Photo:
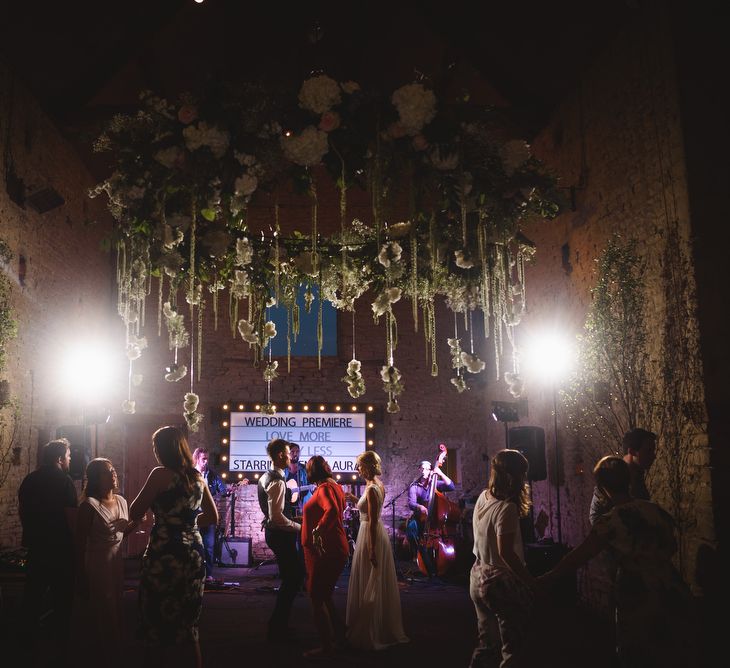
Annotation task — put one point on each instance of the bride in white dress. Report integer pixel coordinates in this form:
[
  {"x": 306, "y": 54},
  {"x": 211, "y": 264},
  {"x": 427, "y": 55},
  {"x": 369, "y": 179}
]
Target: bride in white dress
[{"x": 373, "y": 601}]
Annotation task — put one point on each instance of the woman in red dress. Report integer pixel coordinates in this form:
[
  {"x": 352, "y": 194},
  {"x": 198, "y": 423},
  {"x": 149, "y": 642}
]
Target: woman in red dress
[{"x": 325, "y": 552}]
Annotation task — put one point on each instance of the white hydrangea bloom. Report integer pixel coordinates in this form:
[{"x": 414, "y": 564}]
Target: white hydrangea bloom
[
  {"x": 202, "y": 134},
  {"x": 319, "y": 94},
  {"x": 416, "y": 107},
  {"x": 306, "y": 149}
]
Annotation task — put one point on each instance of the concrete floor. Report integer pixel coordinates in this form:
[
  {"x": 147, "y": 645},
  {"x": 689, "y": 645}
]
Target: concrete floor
[{"x": 438, "y": 618}]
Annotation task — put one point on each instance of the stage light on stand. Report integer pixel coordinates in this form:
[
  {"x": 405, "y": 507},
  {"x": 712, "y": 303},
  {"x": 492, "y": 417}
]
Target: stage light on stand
[{"x": 549, "y": 357}]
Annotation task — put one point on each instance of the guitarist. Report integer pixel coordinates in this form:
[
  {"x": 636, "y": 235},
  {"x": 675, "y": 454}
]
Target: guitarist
[
  {"x": 298, "y": 472},
  {"x": 282, "y": 535},
  {"x": 418, "y": 502}
]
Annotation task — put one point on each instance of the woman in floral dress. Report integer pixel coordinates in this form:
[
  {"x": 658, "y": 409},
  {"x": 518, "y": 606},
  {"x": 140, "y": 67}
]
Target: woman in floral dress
[
  {"x": 173, "y": 565},
  {"x": 655, "y": 624}
]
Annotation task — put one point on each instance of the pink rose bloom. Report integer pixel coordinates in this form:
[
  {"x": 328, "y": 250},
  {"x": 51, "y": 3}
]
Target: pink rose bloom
[
  {"x": 396, "y": 131},
  {"x": 420, "y": 143},
  {"x": 187, "y": 114},
  {"x": 329, "y": 121}
]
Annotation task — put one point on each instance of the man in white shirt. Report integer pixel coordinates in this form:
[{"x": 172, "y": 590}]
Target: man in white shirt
[{"x": 281, "y": 536}]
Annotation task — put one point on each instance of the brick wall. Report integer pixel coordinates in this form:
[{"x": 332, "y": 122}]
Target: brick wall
[
  {"x": 618, "y": 137},
  {"x": 64, "y": 295}
]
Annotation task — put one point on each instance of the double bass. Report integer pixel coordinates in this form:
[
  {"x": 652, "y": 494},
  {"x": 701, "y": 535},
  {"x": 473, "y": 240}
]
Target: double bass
[{"x": 440, "y": 527}]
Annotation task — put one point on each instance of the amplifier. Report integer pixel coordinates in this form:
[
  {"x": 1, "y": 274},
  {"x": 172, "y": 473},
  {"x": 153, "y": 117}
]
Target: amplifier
[{"x": 235, "y": 551}]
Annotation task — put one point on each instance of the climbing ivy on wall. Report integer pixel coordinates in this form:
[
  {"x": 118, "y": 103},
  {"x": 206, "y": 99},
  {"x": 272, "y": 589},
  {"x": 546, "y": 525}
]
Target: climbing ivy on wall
[
  {"x": 611, "y": 392},
  {"x": 8, "y": 326},
  {"x": 620, "y": 385}
]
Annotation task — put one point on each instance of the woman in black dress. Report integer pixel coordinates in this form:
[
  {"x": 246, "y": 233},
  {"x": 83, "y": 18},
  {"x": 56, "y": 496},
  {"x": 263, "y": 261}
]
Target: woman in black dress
[{"x": 173, "y": 565}]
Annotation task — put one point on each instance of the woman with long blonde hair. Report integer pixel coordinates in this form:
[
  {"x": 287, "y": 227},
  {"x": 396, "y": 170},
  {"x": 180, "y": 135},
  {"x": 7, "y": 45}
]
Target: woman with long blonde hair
[
  {"x": 373, "y": 601},
  {"x": 500, "y": 584}
]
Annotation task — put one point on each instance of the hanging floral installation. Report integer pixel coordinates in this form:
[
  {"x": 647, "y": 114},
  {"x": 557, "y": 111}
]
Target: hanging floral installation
[{"x": 187, "y": 172}]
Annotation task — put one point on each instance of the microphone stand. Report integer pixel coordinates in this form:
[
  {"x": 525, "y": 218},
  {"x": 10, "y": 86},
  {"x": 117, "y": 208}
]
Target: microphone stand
[{"x": 391, "y": 503}]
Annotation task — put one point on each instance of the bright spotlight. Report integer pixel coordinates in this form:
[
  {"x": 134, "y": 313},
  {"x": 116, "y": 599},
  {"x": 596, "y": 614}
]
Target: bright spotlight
[
  {"x": 87, "y": 371},
  {"x": 549, "y": 356}
]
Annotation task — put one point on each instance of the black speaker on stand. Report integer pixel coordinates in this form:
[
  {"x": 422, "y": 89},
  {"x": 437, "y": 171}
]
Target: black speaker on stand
[{"x": 530, "y": 441}]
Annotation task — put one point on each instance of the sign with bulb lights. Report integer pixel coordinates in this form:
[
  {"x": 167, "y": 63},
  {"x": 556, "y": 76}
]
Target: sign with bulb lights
[{"x": 339, "y": 435}]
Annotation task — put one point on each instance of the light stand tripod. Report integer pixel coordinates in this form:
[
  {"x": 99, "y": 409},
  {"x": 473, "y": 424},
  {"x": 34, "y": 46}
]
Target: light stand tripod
[
  {"x": 221, "y": 533},
  {"x": 399, "y": 574}
]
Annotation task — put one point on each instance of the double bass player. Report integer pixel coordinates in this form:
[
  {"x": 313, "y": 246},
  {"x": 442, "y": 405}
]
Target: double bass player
[{"x": 419, "y": 494}]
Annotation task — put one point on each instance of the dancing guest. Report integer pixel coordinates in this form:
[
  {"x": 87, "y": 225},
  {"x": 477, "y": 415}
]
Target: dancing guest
[
  {"x": 655, "y": 624},
  {"x": 102, "y": 523},
  {"x": 47, "y": 505},
  {"x": 499, "y": 583},
  {"x": 217, "y": 488},
  {"x": 325, "y": 552},
  {"x": 373, "y": 601},
  {"x": 173, "y": 565},
  {"x": 418, "y": 498},
  {"x": 281, "y": 536},
  {"x": 639, "y": 447}
]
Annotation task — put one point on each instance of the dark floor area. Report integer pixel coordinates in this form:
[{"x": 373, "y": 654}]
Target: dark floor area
[{"x": 438, "y": 618}]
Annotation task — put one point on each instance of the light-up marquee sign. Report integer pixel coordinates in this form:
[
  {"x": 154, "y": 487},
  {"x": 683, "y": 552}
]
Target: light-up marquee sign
[{"x": 338, "y": 437}]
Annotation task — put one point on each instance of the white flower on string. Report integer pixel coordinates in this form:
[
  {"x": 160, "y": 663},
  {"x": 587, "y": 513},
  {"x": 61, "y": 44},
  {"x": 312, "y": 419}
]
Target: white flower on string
[
  {"x": 244, "y": 252},
  {"x": 319, "y": 94},
  {"x": 515, "y": 384},
  {"x": 190, "y": 404},
  {"x": 462, "y": 261},
  {"x": 390, "y": 252},
  {"x": 393, "y": 406},
  {"x": 172, "y": 237},
  {"x": 246, "y": 330},
  {"x": 416, "y": 107},
  {"x": 354, "y": 380},
  {"x": 239, "y": 284},
  {"x": 128, "y": 406},
  {"x": 176, "y": 373},
  {"x": 175, "y": 326},
  {"x": 270, "y": 371},
  {"x": 383, "y": 301},
  {"x": 391, "y": 378},
  {"x": 135, "y": 346},
  {"x": 193, "y": 420},
  {"x": 459, "y": 383},
  {"x": 269, "y": 330},
  {"x": 472, "y": 363}
]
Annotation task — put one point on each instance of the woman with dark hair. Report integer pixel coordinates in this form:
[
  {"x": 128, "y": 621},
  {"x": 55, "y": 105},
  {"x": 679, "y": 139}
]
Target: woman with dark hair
[
  {"x": 655, "y": 622},
  {"x": 102, "y": 523},
  {"x": 500, "y": 584},
  {"x": 325, "y": 552},
  {"x": 173, "y": 565}
]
